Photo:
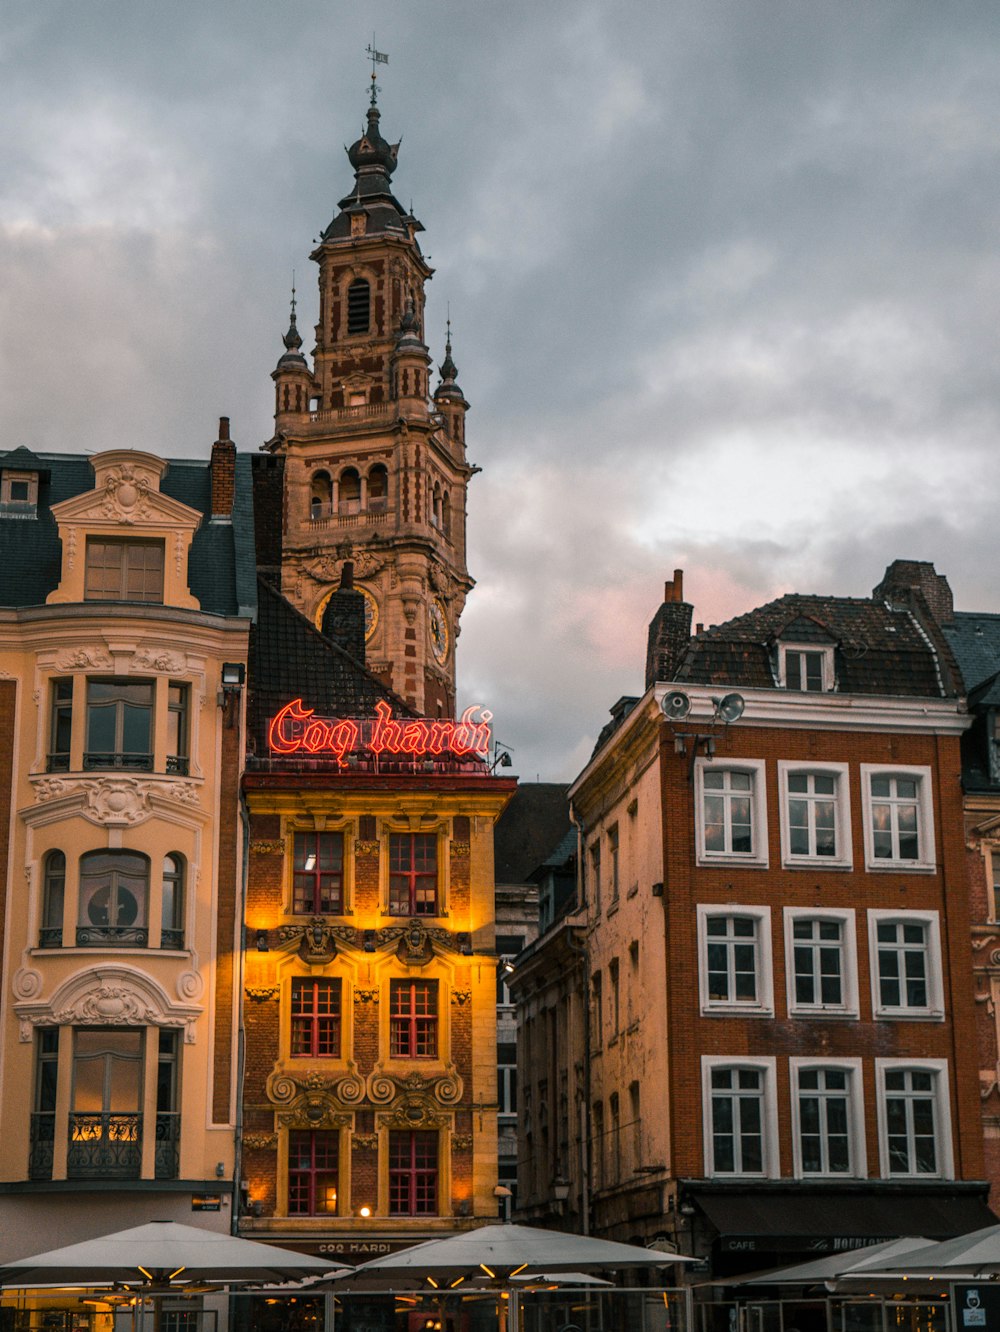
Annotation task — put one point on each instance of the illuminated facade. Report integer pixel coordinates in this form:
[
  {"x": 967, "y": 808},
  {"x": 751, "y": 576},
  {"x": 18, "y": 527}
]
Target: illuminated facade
[
  {"x": 370, "y": 1091},
  {"x": 365, "y": 464},
  {"x": 125, "y": 594}
]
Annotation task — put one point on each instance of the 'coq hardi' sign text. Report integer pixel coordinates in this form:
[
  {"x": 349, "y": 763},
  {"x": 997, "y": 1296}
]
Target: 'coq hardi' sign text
[{"x": 297, "y": 730}]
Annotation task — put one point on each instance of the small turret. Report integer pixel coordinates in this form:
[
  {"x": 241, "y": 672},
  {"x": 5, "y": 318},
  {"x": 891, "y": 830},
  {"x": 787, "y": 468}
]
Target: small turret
[
  {"x": 449, "y": 398},
  {"x": 293, "y": 384},
  {"x": 410, "y": 365}
]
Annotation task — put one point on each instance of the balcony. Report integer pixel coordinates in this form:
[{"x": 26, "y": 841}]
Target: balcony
[
  {"x": 104, "y": 1146},
  {"x": 107, "y": 762},
  {"x": 348, "y": 514},
  {"x": 365, "y": 411},
  {"x": 112, "y": 936},
  {"x": 168, "y": 1144}
]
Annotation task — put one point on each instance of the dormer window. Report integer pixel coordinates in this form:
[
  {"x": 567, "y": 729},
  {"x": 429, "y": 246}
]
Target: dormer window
[
  {"x": 19, "y": 492},
  {"x": 806, "y": 668},
  {"x": 124, "y": 570}
]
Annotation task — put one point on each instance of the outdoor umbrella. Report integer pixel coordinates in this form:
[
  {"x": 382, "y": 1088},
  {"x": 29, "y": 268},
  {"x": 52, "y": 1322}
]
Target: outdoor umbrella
[
  {"x": 836, "y": 1266},
  {"x": 502, "y": 1252},
  {"x": 976, "y": 1254}
]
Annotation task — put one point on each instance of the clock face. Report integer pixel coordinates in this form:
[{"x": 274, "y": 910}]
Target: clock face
[
  {"x": 439, "y": 631},
  {"x": 371, "y": 611}
]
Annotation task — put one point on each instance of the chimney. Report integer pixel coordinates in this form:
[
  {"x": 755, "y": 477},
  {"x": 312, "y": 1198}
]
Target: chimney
[
  {"x": 904, "y": 577},
  {"x": 669, "y": 632},
  {"x": 344, "y": 616},
  {"x": 223, "y": 468}
]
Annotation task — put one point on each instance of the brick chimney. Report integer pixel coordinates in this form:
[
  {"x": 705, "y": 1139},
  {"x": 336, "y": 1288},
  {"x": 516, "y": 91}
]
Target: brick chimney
[
  {"x": 223, "y": 472},
  {"x": 669, "y": 632},
  {"x": 904, "y": 577},
  {"x": 344, "y": 616}
]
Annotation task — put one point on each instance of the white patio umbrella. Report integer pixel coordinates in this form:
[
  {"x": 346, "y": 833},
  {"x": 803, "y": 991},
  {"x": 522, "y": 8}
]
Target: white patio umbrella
[
  {"x": 503, "y": 1252},
  {"x": 836, "y": 1266},
  {"x": 976, "y": 1254}
]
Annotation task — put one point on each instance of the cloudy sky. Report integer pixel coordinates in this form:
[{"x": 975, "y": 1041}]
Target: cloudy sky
[{"x": 724, "y": 278}]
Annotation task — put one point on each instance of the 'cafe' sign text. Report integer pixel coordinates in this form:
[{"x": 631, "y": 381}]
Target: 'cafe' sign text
[{"x": 297, "y": 730}]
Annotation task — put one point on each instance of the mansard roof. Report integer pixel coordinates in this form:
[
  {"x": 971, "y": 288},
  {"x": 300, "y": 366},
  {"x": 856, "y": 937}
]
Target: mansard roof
[
  {"x": 880, "y": 649},
  {"x": 221, "y": 565},
  {"x": 975, "y": 640}
]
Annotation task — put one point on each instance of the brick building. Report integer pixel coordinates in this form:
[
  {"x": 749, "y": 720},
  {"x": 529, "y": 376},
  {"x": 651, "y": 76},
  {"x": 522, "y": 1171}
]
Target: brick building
[
  {"x": 778, "y": 1052},
  {"x": 127, "y": 594}
]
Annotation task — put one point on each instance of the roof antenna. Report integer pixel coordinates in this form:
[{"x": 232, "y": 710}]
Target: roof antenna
[{"x": 377, "y": 58}]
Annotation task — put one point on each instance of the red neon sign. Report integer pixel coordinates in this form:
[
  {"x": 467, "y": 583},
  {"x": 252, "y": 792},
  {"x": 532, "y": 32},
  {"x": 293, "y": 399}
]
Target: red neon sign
[{"x": 297, "y": 730}]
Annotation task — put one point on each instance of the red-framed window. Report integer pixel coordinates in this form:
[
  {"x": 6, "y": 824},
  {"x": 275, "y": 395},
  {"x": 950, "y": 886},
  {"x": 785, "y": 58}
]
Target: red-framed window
[
  {"x": 413, "y": 874},
  {"x": 413, "y": 1172},
  {"x": 413, "y": 1019},
  {"x": 316, "y": 1018},
  {"x": 319, "y": 874},
  {"x": 312, "y": 1172}
]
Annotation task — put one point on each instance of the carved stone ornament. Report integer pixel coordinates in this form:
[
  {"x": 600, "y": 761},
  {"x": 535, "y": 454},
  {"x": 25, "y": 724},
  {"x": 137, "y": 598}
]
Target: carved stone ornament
[
  {"x": 259, "y": 993},
  {"x": 365, "y": 848},
  {"x": 85, "y": 659},
  {"x": 317, "y": 945},
  {"x": 366, "y": 996},
  {"x": 159, "y": 659},
  {"x": 259, "y": 1142},
  {"x": 364, "y": 1142},
  {"x": 26, "y": 983},
  {"x": 299, "y": 1090},
  {"x": 107, "y": 996},
  {"x": 126, "y": 495},
  {"x": 459, "y": 849},
  {"x": 385, "y": 1088},
  {"x": 190, "y": 985},
  {"x": 413, "y": 1114},
  {"x": 259, "y": 848},
  {"x": 461, "y": 997},
  {"x": 115, "y": 801},
  {"x": 461, "y": 1142},
  {"x": 415, "y": 947}
]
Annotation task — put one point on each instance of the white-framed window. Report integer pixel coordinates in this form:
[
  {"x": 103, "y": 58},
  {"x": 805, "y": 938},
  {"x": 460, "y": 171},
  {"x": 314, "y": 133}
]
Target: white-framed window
[
  {"x": 730, "y": 823},
  {"x": 740, "y": 1116},
  {"x": 905, "y": 948},
  {"x": 914, "y": 1118},
  {"x": 734, "y": 952},
  {"x": 815, "y": 815},
  {"x": 828, "y": 1118},
  {"x": 821, "y": 962},
  {"x": 993, "y": 881},
  {"x": 898, "y": 817},
  {"x": 805, "y": 667}
]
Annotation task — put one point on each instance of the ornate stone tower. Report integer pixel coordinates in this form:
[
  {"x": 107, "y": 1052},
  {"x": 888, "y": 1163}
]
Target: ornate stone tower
[{"x": 374, "y": 466}]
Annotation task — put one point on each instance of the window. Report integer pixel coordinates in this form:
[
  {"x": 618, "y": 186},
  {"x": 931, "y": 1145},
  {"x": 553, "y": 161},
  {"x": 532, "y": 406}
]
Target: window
[
  {"x": 316, "y": 1018},
  {"x": 899, "y": 827},
  {"x": 597, "y": 1012},
  {"x": 806, "y": 669},
  {"x": 350, "y": 491},
  {"x": 43, "y": 1118},
  {"x": 735, "y": 952},
  {"x": 413, "y": 1172},
  {"x": 178, "y": 697},
  {"x": 906, "y": 971},
  {"x": 914, "y": 1123},
  {"x": 358, "y": 306},
  {"x": 124, "y": 570},
  {"x": 741, "y": 1117},
  {"x": 61, "y": 726},
  {"x": 320, "y": 495},
  {"x": 119, "y": 725},
  {"x": 822, "y": 974},
  {"x": 829, "y": 1126},
  {"x": 19, "y": 493},
  {"x": 53, "y": 898},
  {"x": 114, "y": 895},
  {"x": 597, "y": 1163},
  {"x": 168, "y": 1119},
  {"x": 172, "y": 918},
  {"x": 613, "y": 856},
  {"x": 636, "y": 1125},
  {"x": 993, "y": 870},
  {"x": 507, "y": 1077},
  {"x": 614, "y": 1111},
  {"x": 614, "y": 978},
  {"x": 318, "y": 875},
  {"x": 105, "y": 1123},
  {"x": 378, "y": 488},
  {"x": 595, "y": 873},
  {"x": 815, "y": 816},
  {"x": 730, "y": 825},
  {"x": 413, "y": 1019},
  {"x": 413, "y": 874},
  {"x": 312, "y": 1172}
]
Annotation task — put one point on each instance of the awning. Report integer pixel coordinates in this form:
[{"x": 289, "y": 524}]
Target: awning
[{"x": 826, "y": 1221}]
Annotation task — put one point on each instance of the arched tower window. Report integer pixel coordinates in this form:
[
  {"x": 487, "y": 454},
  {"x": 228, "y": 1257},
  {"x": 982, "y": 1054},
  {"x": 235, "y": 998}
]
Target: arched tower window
[
  {"x": 358, "y": 306},
  {"x": 378, "y": 488},
  {"x": 350, "y": 490},
  {"x": 53, "y": 894},
  {"x": 172, "y": 930},
  {"x": 436, "y": 505},
  {"x": 446, "y": 515},
  {"x": 321, "y": 495}
]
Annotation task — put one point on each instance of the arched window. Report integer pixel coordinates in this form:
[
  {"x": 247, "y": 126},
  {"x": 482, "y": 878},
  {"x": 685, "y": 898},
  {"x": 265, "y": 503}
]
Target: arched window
[
  {"x": 350, "y": 490},
  {"x": 446, "y": 515},
  {"x": 436, "y": 506},
  {"x": 378, "y": 488},
  {"x": 53, "y": 895},
  {"x": 358, "y": 306},
  {"x": 114, "y": 900},
  {"x": 321, "y": 495},
  {"x": 172, "y": 928}
]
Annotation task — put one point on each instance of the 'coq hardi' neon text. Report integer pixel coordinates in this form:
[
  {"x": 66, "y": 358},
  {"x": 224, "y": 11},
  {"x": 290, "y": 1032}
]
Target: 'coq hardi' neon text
[{"x": 297, "y": 730}]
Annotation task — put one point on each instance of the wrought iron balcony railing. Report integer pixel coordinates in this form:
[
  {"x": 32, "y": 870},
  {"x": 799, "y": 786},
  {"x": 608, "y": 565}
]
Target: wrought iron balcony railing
[
  {"x": 168, "y": 1144},
  {"x": 104, "y": 1145},
  {"x": 43, "y": 1137}
]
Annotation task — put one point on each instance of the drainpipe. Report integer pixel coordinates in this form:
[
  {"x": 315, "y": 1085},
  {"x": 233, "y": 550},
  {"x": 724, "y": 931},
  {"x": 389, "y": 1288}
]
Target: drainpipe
[
  {"x": 580, "y": 948},
  {"x": 240, "y": 1034}
]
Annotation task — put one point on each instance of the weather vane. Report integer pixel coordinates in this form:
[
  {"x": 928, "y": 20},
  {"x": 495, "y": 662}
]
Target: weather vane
[{"x": 377, "y": 58}]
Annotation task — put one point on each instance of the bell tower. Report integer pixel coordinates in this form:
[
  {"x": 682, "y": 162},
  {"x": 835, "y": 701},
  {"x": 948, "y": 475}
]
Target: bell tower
[{"x": 374, "y": 466}]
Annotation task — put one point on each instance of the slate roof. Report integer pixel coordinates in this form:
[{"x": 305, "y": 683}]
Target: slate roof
[
  {"x": 975, "y": 641},
  {"x": 974, "y": 638},
  {"x": 879, "y": 649},
  {"x": 529, "y": 830},
  {"x": 290, "y": 658},
  {"x": 221, "y": 568}
]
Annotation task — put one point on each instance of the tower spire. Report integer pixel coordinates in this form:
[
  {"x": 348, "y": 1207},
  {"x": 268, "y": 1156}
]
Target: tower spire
[{"x": 377, "y": 58}]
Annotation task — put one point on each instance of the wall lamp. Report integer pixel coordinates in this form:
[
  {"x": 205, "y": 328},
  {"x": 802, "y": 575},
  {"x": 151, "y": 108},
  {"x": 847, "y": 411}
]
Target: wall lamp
[
  {"x": 234, "y": 673},
  {"x": 263, "y": 943},
  {"x": 501, "y": 756}
]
